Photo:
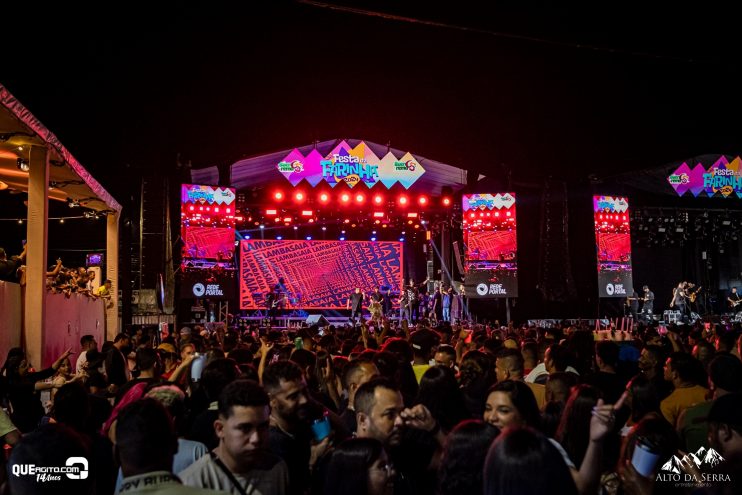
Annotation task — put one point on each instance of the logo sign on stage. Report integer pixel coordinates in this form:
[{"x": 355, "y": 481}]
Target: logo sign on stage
[
  {"x": 208, "y": 284},
  {"x": 723, "y": 178},
  {"x": 613, "y": 246},
  {"x": 352, "y": 166}
]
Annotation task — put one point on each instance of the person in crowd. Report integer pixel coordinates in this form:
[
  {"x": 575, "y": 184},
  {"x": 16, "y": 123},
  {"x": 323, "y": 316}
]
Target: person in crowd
[
  {"x": 476, "y": 376},
  {"x": 9, "y": 266},
  {"x": 556, "y": 359},
  {"x": 529, "y": 350},
  {"x": 51, "y": 445},
  {"x": 522, "y": 461},
  {"x": 117, "y": 368},
  {"x": 217, "y": 374},
  {"x": 359, "y": 466},
  {"x": 725, "y": 436},
  {"x": 145, "y": 447},
  {"x": 22, "y": 384},
  {"x": 464, "y": 452},
  {"x": 292, "y": 411},
  {"x": 445, "y": 355},
  {"x": 242, "y": 462},
  {"x": 422, "y": 341},
  {"x": 679, "y": 369},
  {"x": 606, "y": 379},
  {"x": 558, "y": 387},
  {"x": 509, "y": 366},
  {"x": 511, "y": 403},
  {"x": 651, "y": 361},
  {"x": 87, "y": 343},
  {"x": 439, "y": 392},
  {"x": 357, "y": 372},
  {"x": 725, "y": 377},
  {"x": 643, "y": 401},
  {"x": 60, "y": 378}
]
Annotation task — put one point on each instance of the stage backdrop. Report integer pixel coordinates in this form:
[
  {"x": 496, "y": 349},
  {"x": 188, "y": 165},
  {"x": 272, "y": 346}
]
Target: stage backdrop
[
  {"x": 613, "y": 245},
  {"x": 317, "y": 274}
]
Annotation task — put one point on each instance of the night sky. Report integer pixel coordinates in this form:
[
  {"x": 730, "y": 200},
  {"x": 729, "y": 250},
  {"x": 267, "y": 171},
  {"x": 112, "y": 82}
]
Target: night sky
[{"x": 548, "y": 92}]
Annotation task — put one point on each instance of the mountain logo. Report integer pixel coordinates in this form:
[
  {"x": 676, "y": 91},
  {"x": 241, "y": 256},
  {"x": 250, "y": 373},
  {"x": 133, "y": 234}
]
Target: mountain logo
[{"x": 702, "y": 457}]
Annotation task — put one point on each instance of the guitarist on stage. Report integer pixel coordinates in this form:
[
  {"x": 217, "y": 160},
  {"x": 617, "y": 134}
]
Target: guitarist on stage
[
  {"x": 735, "y": 302},
  {"x": 678, "y": 299}
]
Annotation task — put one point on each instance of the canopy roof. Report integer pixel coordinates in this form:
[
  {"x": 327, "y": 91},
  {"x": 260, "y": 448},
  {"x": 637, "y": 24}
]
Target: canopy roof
[
  {"x": 68, "y": 179},
  {"x": 260, "y": 171}
]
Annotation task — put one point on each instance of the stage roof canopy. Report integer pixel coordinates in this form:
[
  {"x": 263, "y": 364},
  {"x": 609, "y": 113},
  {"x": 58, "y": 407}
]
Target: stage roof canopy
[{"x": 260, "y": 171}]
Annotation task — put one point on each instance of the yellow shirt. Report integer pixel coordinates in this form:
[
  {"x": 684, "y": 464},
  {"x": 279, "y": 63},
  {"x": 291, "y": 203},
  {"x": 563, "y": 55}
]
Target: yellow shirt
[
  {"x": 539, "y": 391},
  {"x": 420, "y": 370},
  {"x": 680, "y": 400}
]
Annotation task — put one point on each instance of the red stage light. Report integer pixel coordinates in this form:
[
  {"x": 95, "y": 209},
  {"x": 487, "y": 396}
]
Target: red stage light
[
  {"x": 345, "y": 197},
  {"x": 446, "y": 201},
  {"x": 412, "y": 215},
  {"x": 378, "y": 199},
  {"x": 200, "y": 208},
  {"x": 299, "y": 196},
  {"x": 377, "y": 222},
  {"x": 307, "y": 213},
  {"x": 497, "y": 213},
  {"x": 271, "y": 212},
  {"x": 311, "y": 220},
  {"x": 360, "y": 198},
  {"x": 324, "y": 198},
  {"x": 423, "y": 200},
  {"x": 216, "y": 209},
  {"x": 278, "y": 196},
  {"x": 378, "y": 214},
  {"x": 190, "y": 208},
  {"x": 287, "y": 219},
  {"x": 403, "y": 200},
  {"x": 507, "y": 214},
  {"x": 229, "y": 210},
  {"x": 472, "y": 215}
]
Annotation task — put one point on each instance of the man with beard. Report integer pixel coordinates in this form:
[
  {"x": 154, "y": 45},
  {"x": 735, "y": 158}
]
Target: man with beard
[
  {"x": 241, "y": 463},
  {"x": 290, "y": 432},
  {"x": 412, "y": 437},
  {"x": 117, "y": 367}
]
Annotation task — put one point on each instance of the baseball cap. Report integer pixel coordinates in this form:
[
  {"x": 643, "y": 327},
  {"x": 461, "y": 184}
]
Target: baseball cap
[
  {"x": 169, "y": 348},
  {"x": 185, "y": 330}
]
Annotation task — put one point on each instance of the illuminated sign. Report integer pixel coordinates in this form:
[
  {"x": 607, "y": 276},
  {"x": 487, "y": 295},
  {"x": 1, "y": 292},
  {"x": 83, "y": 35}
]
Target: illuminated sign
[
  {"x": 487, "y": 201},
  {"x": 352, "y": 166},
  {"x": 206, "y": 195},
  {"x": 723, "y": 178}
]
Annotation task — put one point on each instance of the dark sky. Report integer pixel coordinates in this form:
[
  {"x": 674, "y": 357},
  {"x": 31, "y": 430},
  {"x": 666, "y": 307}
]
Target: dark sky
[{"x": 127, "y": 88}]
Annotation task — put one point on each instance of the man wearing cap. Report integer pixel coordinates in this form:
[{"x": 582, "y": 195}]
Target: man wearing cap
[
  {"x": 648, "y": 306},
  {"x": 422, "y": 341}
]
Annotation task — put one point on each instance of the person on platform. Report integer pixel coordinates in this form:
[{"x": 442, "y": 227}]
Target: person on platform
[
  {"x": 648, "y": 306},
  {"x": 678, "y": 299},
  {"x": 355, "y": 304},
  {"x": 735, "y": 302},
  {"x": 632, "y": 303},
  {"x": 386, "y": 300},
  {"x": 458, "y": 306}
]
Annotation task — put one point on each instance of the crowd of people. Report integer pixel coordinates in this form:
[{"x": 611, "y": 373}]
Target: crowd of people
[
  {"x": 384, "y": 408},
  {"x": 59, "y": 278}
]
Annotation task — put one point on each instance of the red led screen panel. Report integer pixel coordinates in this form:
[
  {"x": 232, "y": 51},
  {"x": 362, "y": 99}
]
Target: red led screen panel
[
  {"x": 491, "y": 240},
  {"x": 208, "y": 243},
  {"x": 613, "y": 246},
  {"x": 316, "y": 274}
]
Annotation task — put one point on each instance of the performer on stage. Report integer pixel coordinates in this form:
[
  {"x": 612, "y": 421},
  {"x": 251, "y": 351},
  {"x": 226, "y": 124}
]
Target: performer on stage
[
  {"x": 410, "y": 297},
  {"x": 632, "y": 303},
  {"x": 458, "y": 307},
  {"x": 735, "y": 302},
  {"x": 355, "y": 304},
  {"x": 374, "y": 306},
  {"x": 386, "y": 300},
  {"x": 678, "y": 300},
  {"x": 648, "y": 306}
]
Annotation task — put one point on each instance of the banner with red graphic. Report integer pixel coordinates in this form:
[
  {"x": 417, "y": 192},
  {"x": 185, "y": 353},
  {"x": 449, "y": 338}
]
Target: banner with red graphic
[{"x": 613, "y": 246}]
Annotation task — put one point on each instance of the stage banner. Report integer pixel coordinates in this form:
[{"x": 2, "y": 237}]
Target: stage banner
[
  {"x": 215, "y": 282},
  {"x": 351, "y": 165},
  {"x": 613, "y": 246},
  {"x": 316, "y": 274},
  {"x": 722, "y": 179},
  {"x": 490, "y": 238}
]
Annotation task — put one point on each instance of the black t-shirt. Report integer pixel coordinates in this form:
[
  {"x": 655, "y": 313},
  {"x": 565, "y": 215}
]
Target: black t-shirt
[
  {"x": 356, "y": 300},
  {"x": 295, "y": 450}
]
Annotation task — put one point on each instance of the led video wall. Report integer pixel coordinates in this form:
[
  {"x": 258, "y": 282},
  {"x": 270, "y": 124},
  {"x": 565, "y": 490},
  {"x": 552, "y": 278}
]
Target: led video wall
[
  {"x": 613, "y": 246},
  {"x": 490, "y": 237},
  {"x": 207, "y": 220},
  {"x": 316, "y": 274}
]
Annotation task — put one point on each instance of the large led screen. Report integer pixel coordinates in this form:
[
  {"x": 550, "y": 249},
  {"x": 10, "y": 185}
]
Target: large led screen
[
  {"x": 207, "y": 219},
  {"x": 490, "y": 237},
  {"x": 613, "y": 246},
  {"x": 316, "y": 274}
]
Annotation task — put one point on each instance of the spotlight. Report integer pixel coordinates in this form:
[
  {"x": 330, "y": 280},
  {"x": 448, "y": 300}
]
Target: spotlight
[
  {"x": 345, "y": 197},
  {"x": 309, "y": 237},
  {"x": 378, "y": 199},
  {"x": 446, "y": 201},
  {"x": 403, "y": 200},
  {"x": 247, "y": 237},
  {"x": 423, "y": 200},
  {"x": 401, "y": 239},
  {"x": 324, "y": 228},
  {"x": 299, "y": 196},
  {"x": 360, "y": 198},
  {"x": 278, "y": 196},
  {"x": 324, "y": 198},
  {"x": 20, "y": 220},
  {"x": 22, "y": 164},
  {"x": 373, "y": 239},
  {"x": 342, "y": 238},
  {"x": 262, "y": 226},
  {"x": 279, "y": 238},
  {"x": 296, "y": 228},
  {"x": 61, "y": 220}
]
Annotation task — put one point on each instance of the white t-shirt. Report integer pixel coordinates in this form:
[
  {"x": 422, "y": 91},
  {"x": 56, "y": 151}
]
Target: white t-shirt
[
  {"x": 82, "y": 360},
  {"x": 273, "y": 479}
]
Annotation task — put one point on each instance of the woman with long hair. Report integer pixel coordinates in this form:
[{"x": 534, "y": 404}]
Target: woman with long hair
[
  {"x": 440, "y": 393},
  {"x": 511, "y": 403},
  {"x": 463, "y": 457},
  {"x": 359, "y": 466}
]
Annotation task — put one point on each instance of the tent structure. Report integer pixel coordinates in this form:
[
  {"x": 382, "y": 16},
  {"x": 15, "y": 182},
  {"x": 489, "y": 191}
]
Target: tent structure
[
  {"x": 34, "y": 161},
  {"x": 260, "y": 171}
]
